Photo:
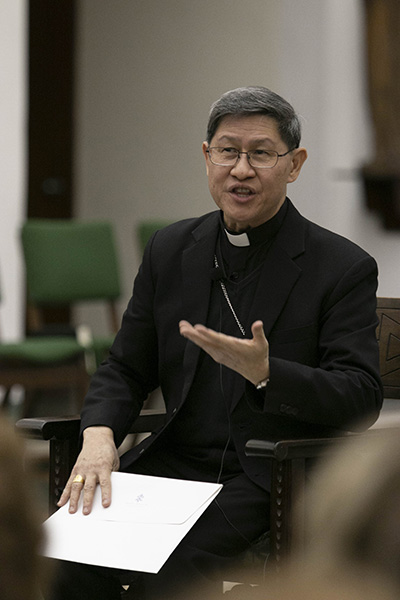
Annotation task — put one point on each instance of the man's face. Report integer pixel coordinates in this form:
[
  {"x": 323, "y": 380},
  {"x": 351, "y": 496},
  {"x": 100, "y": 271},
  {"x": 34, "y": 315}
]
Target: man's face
[{"x": 251, "y": 196}]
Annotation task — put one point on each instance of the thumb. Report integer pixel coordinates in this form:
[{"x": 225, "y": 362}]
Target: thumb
[{"x": 257, "y": 329}]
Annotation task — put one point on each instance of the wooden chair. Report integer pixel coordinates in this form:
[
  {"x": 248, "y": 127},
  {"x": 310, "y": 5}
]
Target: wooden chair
[
  {"x": 289, "y": 457},
  {"x": 43, "y": 363},
  {"x": 66, "y": 262},
  {"x": 388, "y": 334},
  {"x": 69, "y": 262}
]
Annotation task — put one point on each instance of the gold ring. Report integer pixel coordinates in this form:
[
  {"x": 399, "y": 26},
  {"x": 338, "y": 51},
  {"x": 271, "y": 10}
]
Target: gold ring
[{"x": 78, "y": 479}]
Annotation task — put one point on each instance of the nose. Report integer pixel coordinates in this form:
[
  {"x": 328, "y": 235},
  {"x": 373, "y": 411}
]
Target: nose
[{"x": 243, "y": 169}]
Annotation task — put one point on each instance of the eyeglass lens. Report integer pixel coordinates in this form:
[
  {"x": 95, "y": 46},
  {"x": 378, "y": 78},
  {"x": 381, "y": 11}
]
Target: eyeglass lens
[{"x": 229, "y": 156}]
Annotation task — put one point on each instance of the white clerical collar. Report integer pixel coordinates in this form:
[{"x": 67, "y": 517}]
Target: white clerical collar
[{"x": 238, "y": 239}]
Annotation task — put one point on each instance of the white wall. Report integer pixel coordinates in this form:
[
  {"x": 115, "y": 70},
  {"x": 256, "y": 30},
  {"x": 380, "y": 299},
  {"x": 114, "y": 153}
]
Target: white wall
[{"x": 13, "y": 41}]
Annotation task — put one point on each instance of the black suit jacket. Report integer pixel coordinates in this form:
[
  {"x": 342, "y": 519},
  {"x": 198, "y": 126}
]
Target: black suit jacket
[{"x": 317, "y": 298}]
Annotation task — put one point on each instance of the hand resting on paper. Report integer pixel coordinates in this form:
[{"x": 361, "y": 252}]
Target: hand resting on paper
[
  {"x": 249, "y": 358},
  {"x": 97, "y": 459}
]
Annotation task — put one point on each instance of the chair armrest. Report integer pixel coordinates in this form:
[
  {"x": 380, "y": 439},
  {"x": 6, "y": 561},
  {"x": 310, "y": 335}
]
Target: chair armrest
[
  {"x": 65, "y": 428},
  {"x": 289, "y": 449},
  {"x": 46, "y": 428}
]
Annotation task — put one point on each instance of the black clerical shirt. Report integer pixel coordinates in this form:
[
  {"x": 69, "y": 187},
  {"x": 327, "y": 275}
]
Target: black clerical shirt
[{"x": 201, "y": 431}]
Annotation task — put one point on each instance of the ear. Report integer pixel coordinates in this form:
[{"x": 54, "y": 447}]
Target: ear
[
  {"x": 205, "y": 148},
  {"x": 299, "y": 156}
]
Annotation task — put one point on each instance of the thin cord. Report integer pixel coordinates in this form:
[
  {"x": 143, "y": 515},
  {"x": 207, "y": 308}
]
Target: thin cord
[
  {"x": 221, "y": 383},
  {"x": 223, "y": 458},
  {"x": 216, "y": 501},
  {"x": 246, "y": 539},
  {"x": 225, "y": 292},
  {"x": 221, "y": 387}
]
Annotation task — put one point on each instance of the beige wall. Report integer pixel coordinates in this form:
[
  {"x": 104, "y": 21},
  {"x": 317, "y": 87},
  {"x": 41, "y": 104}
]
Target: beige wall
[{"x": 148, "y": 71}]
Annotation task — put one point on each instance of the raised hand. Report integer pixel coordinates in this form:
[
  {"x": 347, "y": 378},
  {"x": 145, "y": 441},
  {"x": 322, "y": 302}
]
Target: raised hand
[{"x": 250, "y": 358}]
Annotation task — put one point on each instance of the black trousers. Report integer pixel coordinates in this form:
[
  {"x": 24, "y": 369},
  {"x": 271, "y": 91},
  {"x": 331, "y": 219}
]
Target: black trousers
[{"x": 236, "y": 518}]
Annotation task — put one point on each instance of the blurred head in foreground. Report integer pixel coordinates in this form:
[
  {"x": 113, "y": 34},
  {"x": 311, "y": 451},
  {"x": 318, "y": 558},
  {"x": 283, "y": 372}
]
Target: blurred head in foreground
[
  {"x": 352, "y": 548},
  {"x": 20, "y": 532}
]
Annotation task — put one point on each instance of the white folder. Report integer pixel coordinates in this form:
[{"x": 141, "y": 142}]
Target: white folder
[{"x": 147, "y": 519}]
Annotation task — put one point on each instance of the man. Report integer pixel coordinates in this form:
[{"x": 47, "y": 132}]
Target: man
[{"x": 255, "y": 322}]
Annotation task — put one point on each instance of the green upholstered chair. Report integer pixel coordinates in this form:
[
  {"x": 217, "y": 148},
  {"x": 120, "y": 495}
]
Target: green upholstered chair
[
  {"x": 69, "y": 262},
  {"x": 66, "y": 262},
  {"x": 42, "y": 363}
]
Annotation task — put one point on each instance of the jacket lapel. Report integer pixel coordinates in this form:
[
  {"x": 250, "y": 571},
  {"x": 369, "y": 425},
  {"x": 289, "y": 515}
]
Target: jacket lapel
[
  {"x": 277, "y": 278},
  {"x": 279, "y": 272},
  {"x": 197, "y": 262}
]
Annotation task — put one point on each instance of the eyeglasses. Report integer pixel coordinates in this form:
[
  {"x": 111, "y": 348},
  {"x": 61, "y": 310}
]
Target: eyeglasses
[{"x": 260, "y": 159}]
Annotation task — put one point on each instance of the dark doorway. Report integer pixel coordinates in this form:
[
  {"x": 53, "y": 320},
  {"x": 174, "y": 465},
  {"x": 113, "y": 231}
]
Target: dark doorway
[
  {"x": 51, "y": 93},
  {"x": 50, "y": 186}
]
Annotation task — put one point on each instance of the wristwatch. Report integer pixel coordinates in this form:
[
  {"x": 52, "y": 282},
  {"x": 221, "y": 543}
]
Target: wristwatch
[{"x": 262, "y": 384}]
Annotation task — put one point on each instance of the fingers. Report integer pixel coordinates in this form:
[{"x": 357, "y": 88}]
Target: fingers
[
  {"x": 64, "y": 496},
  {"x": 257, "y": 330},
  {"x": 75, "y": 492},
  {"x": 200, "y": 335},
  {"x": 71, "y": 492},
  {"x": 248, "y": 357},
  {"x": 89, "y": 490},
  {"x": 105, "y": 487},
  {"x": 74, "y": 489},
  {"x": 201, "y": 332}
]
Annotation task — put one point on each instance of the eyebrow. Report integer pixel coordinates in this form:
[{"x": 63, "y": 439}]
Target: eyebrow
[{"x": 233, "y": 138}]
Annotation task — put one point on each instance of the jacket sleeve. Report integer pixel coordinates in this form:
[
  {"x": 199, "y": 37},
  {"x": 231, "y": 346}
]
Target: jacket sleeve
[
  {"x": 122, "y": 383},
  {"x": 341, "y": 388}
]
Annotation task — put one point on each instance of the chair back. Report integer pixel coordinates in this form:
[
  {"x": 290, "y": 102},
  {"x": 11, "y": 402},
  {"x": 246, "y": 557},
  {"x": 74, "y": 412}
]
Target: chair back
[
  {"x": 69, "y": 261},
  {"x": 388, "y": 334}
]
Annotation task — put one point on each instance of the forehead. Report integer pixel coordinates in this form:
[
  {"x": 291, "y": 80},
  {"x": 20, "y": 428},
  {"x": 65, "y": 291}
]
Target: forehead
[{"x": 254, "y": 128}]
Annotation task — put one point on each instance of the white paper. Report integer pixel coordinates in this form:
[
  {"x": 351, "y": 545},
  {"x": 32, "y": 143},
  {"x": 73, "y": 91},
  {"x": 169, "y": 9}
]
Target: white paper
[{"x": 147, "y": 519}]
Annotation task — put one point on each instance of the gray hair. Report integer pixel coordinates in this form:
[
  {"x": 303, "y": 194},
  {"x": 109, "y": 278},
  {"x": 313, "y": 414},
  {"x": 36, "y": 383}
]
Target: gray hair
[{"x": 257, "y": 100}]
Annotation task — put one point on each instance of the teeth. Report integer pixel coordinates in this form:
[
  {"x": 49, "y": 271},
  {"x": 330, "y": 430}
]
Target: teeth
[{"x": 242, "y": 191}]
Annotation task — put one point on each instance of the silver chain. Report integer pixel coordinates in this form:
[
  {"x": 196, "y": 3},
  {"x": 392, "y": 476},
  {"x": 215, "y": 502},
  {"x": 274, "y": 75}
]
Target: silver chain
[{"x": 225, "y": 292}]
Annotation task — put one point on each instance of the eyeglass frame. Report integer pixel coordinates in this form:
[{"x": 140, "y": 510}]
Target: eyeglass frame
[{"x": 278, "y": 156}]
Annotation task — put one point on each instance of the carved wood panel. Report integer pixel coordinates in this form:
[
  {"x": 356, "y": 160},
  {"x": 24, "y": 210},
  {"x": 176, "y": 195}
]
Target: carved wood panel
[
  {"x": 287, "y": 488},
  {"x": 388, "y": 334},
  {"x": 63, "y": 454}
]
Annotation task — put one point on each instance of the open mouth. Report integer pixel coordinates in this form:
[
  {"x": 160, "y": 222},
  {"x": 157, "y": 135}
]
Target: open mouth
[{"x": 242, "y": 192}]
